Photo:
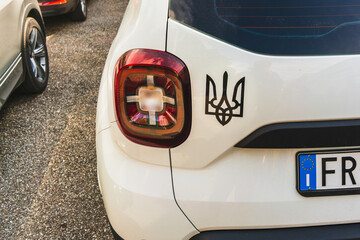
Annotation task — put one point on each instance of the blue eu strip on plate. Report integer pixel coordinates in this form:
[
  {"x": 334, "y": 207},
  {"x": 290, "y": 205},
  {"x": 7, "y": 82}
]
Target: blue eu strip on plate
[{"x": 307, "y": 172}]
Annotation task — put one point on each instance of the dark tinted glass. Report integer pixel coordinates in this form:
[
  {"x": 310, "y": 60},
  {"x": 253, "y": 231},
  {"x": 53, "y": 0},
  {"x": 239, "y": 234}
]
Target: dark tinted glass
[{"x": 277, "y": 27}]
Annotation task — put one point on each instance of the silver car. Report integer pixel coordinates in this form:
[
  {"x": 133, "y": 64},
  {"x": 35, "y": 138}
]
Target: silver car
[{"x": 24, "y": 59}]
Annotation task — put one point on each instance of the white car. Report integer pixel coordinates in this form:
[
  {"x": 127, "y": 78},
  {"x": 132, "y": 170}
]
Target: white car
[
  {"x": 24, "y": 58},
  {"x": 232, "y": 120}
]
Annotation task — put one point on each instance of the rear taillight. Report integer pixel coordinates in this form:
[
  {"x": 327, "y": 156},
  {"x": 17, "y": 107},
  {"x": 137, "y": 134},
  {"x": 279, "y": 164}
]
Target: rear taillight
[
  {"x": 57, "y": 2},
  {"x": 153, "y": 98}
]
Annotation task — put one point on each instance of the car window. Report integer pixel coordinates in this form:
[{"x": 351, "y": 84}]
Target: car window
[{"x": 277, "y": 27}]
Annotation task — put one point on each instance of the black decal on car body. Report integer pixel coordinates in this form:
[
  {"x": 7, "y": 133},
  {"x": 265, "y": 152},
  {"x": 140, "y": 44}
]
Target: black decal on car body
[{"x": 223, "y": 109}]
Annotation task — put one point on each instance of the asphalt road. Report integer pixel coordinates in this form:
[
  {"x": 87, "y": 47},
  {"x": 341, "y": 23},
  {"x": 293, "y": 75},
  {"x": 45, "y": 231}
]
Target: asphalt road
[{"x": 48, "y": 183}]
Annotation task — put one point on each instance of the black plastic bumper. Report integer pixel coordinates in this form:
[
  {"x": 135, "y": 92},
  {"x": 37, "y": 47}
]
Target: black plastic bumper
[
  {"x": 329, "y": 232},
  {"x": 314, "y": 134}
]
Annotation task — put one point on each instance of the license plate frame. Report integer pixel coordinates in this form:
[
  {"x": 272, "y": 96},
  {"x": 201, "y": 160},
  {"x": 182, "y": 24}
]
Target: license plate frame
[{"x": 325, "y": 192}]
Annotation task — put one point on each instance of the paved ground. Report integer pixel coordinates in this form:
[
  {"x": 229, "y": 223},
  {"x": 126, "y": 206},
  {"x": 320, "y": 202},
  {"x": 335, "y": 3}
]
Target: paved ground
[{"x": 48, "y": 184}]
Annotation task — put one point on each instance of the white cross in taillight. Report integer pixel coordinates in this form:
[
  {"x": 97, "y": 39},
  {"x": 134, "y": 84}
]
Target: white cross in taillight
[{"x": 151, "y": 99}]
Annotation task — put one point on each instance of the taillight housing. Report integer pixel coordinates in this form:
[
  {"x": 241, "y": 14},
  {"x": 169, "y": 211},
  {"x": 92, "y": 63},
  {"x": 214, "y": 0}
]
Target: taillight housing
[{"x": 153, "y": 98}]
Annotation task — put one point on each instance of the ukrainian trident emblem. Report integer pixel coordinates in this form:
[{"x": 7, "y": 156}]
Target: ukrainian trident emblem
[{"x": 223, "y": 110}]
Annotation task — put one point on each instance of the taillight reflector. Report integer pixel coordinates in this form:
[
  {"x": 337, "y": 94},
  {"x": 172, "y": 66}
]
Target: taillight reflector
[{"x": 153, "y": 98}]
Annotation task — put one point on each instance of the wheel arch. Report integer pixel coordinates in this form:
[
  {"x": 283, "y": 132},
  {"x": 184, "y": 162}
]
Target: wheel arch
[{"x": 37, "y": 16}]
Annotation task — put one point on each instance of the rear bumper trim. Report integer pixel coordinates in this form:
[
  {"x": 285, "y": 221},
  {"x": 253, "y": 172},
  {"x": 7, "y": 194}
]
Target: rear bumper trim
[
  {"x": 329, "y": 232},
  {"x": 316, "y": 134}
]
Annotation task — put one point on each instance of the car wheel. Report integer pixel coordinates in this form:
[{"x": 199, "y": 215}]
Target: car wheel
[
  {"x": 35, "y": 58},
  {"x": 80, "y": 12}
]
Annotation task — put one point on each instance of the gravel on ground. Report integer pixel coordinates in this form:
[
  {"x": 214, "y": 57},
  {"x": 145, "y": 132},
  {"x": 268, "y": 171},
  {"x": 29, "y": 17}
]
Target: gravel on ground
[{"x": 48, "y": 181}]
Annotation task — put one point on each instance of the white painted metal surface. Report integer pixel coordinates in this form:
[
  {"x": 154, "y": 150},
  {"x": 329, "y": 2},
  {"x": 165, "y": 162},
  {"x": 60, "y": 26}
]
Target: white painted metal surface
[
  {"x": 137, "y": 191},
  {"x": 277, "y": 89},
  {"x": 216, "y": 185},
  {"x": 133, "y": 33},
  {"x": 10, "y": 32},
  {"x": 12, "y": 15},
  {"x": 250, "y": 189},
  {"x": 138, "y": 197},
  {"x": 12, "y": 19},
  {"x": 222, "y": 187}
]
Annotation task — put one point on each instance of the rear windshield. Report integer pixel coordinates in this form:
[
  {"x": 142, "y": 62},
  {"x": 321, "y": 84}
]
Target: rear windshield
[{"x": 277, "y": 27}]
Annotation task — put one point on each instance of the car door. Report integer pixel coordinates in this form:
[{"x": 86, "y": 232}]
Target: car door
[{"x": 10, "y": 32}]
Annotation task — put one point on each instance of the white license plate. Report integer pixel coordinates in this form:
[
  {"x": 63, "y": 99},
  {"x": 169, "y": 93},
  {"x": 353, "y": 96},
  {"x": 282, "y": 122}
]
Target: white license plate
[{"x": 328, "y": 173}]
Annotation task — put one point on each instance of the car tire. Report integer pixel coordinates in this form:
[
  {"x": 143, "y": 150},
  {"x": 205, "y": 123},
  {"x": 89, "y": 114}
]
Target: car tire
[
  {"x": 80, "y": 12},
  {"x": 35, "y": 58}
]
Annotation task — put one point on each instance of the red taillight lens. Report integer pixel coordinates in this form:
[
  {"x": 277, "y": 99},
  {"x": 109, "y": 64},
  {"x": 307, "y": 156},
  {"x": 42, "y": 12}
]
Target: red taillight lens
[
  {"x": 57, "y": 2},
  {"x": 153, "y": 98}
]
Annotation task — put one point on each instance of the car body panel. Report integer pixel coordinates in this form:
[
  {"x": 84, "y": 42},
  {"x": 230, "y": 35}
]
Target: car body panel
[
  {"x": 10, "y": 28},
  {"x": 10, "y": 79},
  {"x": 138, "y": 197},
  {"x": 255, "y": 189},
  {"x": 153, "y": 202},
  {"x": 12, "y": 18},
  {"x": 277, "y": 89},
  {"x": 236, "y": 188},
  {"x": 130, "y": 36}
]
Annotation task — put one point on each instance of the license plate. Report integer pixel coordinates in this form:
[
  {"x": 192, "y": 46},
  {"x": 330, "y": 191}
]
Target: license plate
[{"x": 328, "y": 173}]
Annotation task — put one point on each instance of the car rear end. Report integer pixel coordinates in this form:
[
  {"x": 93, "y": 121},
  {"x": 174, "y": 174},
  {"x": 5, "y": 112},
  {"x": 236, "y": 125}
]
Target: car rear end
[
  {"x": 273, "y": 143},
  {"x": 57, "y": 7}
]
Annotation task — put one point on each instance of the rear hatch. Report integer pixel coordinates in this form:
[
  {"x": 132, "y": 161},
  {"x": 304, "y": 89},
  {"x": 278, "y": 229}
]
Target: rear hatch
[{"x": 255, "y": 64}]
